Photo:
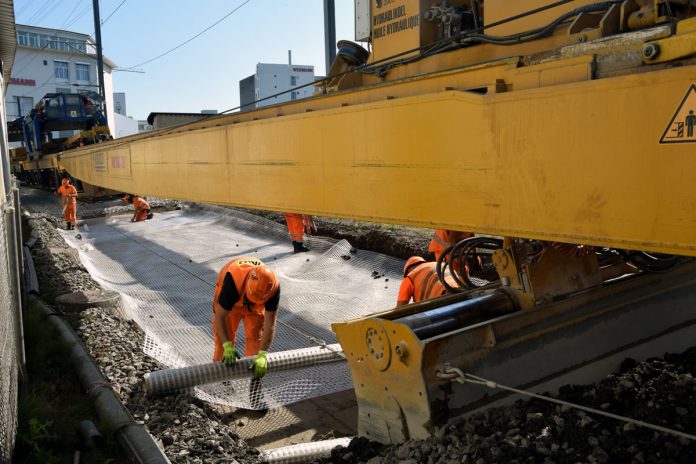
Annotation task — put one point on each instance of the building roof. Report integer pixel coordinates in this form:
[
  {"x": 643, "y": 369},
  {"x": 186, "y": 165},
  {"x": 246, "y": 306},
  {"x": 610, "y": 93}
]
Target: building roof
[
  {"x": 8, "y": 37},
  {"x": 87, "y": 38},
  {"x": 27, "y": 26},
  {"x": 152, "y": 116}
]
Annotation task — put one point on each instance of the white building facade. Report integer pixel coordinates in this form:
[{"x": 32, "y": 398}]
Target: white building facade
[
  {"x": 120, "y": 103},
  {"x": 52, "y": 61},
  {"x": 271, "y": 79}
]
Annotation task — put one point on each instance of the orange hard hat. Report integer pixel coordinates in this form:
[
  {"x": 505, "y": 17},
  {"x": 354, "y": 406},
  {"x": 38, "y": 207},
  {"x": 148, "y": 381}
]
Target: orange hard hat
[
  {"x": 261, "y": 284},
  {"x": 65, "y": 181},
  {"x": 126, "y": 198},
  {"x": 411, "y": 262}
]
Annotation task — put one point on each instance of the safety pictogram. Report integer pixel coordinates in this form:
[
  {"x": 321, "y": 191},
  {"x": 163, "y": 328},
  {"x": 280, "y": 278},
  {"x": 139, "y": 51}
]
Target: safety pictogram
[{"x": 682, "y": 127}]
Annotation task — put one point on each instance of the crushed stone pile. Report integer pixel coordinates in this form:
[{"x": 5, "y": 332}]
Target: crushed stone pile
[{"x": 661, "y": 391}]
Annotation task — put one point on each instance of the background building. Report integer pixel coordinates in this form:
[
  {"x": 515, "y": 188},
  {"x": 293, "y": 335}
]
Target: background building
[
  {"x": 120, "y": 103},
  {"x": 54, "y": 60},
  {"x": 144, "y": 126},
  {"x": 271, "y": 79},
  {"x": 124, "y": 125}
]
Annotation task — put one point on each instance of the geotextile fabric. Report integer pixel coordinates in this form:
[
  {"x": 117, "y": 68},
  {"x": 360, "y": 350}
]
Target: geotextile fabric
[{"x": 165, "y": 270}]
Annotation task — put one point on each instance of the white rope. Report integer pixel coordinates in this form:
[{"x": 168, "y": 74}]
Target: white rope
[
  {"x": 457, "y": 375},
  {"x": 322, "y": 343}
]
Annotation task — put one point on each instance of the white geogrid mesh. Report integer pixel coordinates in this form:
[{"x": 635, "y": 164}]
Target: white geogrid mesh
[
  {"x": 166, "y": 268},
  {"x": 9, "y": 374}
]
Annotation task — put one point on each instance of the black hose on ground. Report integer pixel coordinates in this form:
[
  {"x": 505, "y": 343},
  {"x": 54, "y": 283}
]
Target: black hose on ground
[{"x": 133, "y": 439}]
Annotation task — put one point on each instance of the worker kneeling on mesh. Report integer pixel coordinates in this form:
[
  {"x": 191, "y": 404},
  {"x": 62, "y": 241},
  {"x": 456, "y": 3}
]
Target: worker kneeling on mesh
[
  {"x": 246, "y": 290},
  {"x": 421, "y": 282},
  {"x": 141, "y": 208}
]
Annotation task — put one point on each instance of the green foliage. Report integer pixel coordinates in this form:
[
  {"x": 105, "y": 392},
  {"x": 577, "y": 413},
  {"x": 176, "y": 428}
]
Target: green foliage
[{"x": 38, "y": 439}]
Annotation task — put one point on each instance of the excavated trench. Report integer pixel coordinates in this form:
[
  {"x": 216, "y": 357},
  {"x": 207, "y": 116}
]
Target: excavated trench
[{"x": 660, "y": 391}]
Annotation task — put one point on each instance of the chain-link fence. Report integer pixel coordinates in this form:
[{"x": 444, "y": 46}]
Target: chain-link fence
[{"x": 11, "y": 350}]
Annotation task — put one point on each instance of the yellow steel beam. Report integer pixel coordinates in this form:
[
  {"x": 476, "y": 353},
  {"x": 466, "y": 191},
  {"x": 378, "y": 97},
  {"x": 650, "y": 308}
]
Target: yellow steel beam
[{"x": 574, "y": 161}]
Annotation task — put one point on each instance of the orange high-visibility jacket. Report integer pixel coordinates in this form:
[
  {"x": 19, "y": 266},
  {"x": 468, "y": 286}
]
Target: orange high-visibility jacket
[
  {"x": 251, "y": 314},
  {"x": 443, "y": 239},
  {"x": 142, "y": 207},
  {"x": 421, "y": 283}
]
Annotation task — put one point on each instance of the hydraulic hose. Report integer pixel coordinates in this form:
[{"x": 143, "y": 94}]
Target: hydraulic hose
[
  {"x": 540, "y": 32},
  {"x": 457, "y": 257}
]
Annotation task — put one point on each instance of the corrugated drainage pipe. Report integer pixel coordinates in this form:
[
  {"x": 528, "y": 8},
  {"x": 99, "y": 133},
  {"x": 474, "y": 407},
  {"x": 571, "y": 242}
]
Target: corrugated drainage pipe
[
  {"x": 134, "y": 440},
  {"x": 172, "y": 380},
  {"x": 303, "y": 452}
]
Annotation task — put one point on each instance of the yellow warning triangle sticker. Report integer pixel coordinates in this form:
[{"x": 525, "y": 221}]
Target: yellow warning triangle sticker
[{"x": 682, "y": 127}]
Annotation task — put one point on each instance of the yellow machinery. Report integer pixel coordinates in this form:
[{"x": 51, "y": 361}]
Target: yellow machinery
[{"x": 566, "y": 127}]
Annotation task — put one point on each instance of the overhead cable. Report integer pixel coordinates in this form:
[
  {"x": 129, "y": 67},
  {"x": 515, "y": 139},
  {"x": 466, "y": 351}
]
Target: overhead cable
[
  {"x": 189, "y": 40},
  {"x": 112, "y": 13},
  {"x": 70, "y": 14}
]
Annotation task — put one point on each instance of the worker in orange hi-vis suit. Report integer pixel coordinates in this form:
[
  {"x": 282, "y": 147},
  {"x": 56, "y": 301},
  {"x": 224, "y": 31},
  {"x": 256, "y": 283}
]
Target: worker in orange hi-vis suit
[
  {"x": 247, "y": 291},
  {"x": 420, "y": 282},
  {"x": 140, "y": 206},
  {"x": 68, "y": 200},
  {"x": 443, "y": 239},
  {"x": 298, "y": 225}
]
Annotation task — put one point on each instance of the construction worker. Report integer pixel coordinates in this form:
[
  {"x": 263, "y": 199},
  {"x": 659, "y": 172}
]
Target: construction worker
[
  {"x": 247, "y": 291},
  {"x": 420, "y": 282},
  {"x": 298, "y": 225},
  {"x": 68, "y": 200},
  {"x": 141, "y": 208},
  {"x": 443, "y": 239}
]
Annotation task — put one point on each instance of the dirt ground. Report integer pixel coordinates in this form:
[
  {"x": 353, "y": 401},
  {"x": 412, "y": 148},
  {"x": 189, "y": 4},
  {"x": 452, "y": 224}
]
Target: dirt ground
[{"x": 397, "y": 241}]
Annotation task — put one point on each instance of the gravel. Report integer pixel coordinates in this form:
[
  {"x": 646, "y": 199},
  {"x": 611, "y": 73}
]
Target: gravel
[
  {"x": 661, "y": 391},
  {"x": 189, "y": 430},
  {"x": 40, "y": 201}
]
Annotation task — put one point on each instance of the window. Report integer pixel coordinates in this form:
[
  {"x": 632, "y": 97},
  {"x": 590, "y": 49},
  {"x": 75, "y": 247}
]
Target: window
[
  {"x": 22, "y": 38},
  {"x": 293, "y": 80},
  {"x": 293, "y": 96},
  {"x": 60, "y": 70},
  {"x": 33, "y": 39},
  {"x": 82, "y": 72}
]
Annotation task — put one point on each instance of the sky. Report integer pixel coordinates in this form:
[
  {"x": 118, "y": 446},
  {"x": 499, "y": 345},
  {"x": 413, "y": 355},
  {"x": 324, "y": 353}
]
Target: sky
[{"x": 205, "y": 73}]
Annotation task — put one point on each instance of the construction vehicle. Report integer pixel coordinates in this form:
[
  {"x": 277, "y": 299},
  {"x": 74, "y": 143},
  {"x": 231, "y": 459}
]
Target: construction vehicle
[
  {"x": 564, "y": 127},
  {"x": 55, "y": 112}
]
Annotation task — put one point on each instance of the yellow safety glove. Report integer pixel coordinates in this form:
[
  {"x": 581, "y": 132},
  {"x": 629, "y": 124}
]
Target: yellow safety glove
[
  {"x": 259, "y": 364},
  {"x": 229, "y": 354}
]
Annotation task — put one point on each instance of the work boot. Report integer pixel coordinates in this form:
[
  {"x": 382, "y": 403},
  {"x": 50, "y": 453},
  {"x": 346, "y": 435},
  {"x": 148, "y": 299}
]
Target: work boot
[
  {"x": 67, "y": 226},
  {"x": 299, "y": 247}
]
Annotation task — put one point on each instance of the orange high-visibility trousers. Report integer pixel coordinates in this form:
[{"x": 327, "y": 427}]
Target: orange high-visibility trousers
[
  {"x": 253, "y": 329},
  {"x": 295, "y": 226},
  {"x": 70, "y": 213}
]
